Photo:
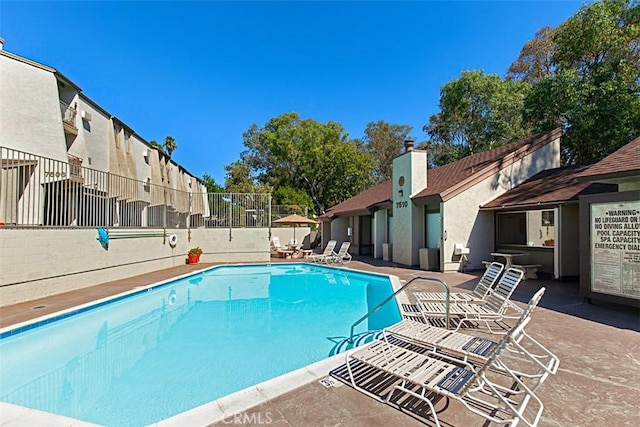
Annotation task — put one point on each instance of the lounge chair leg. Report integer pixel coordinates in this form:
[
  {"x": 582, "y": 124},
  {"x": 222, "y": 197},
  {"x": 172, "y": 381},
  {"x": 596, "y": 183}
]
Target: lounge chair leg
[{"x": 404, "y": 389}]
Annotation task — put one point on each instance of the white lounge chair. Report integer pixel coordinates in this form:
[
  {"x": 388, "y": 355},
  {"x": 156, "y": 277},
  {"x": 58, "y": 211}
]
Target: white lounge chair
[
  {"x": 328, "y": 252},
  {"x": 429, "y": 376},
  {"x": 479, "y": 293},
  {"x": 278, "y": 250},
  {"x": 343, "y": 256},
  {"x": 493, "y": 309},
  {"x": 536, "y": 361}
]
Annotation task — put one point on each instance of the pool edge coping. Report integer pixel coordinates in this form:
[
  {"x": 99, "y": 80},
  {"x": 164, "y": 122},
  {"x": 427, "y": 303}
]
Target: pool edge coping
[
  {"x": 235, "y": 403},
  {"x": 138, "y": 289},
  {"x": 240, "y": 401}
]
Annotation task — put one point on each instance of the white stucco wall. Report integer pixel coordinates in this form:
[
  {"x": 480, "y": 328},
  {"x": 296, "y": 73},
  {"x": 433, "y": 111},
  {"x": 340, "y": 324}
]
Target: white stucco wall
[
  {"x": 93, "y": 136},
  {"x": 30, "y": 118},
  {"x": 138, "y": 151},
  {"x": 286, "y": 234},
  {"x": 338, "y": 231},
  {"x": 462, "y": 221},
  {"x": 39, "y": 263},
  {"x": 408, "y": 218}
]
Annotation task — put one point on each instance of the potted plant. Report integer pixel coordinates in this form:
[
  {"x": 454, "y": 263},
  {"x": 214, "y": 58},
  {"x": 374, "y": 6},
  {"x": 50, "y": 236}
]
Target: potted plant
[{"x": 193, "y": 256}]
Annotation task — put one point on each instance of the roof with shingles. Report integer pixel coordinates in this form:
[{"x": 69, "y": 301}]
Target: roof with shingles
[
  {"x": 449, "y": 180},
  {"x": 453, "y": 178},
  {"x": 625, "y": 161},
  {"x": 375, "y": 195},
  {"x": 549, "y": 187}
]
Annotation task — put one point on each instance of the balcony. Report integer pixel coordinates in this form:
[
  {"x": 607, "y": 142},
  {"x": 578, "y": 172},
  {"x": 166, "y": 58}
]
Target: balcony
[
  {"x": 75, "y": 169},
  {"x": 68, "y": 118}
]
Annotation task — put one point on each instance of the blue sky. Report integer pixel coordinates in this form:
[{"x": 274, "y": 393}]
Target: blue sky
[{"x": 204, "y": 72}]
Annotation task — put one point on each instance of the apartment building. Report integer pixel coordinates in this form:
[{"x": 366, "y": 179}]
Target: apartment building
[{"x": 67, "y": 161}]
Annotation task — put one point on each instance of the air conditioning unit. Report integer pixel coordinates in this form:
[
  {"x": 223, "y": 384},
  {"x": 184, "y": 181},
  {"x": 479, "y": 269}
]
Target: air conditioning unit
[
  {"x": 86, "y": 116},
  {"x": 147, "y": 154}
]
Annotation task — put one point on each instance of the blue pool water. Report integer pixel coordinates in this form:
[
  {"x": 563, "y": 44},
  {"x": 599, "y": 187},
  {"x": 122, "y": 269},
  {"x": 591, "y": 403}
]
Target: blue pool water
[{"x": 179, "y": 345}]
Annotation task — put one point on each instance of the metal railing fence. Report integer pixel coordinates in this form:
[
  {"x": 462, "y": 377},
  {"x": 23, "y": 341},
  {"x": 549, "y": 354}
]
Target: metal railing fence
[
  {"x": 280, "y": 211},
  {"x": 37, "y": 191}
]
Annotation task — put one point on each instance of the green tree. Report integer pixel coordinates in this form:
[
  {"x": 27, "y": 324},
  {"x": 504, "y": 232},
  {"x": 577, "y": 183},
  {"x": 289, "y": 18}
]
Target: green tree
[
  {"x": 478, "y": 112},
  {"x": 535, "y": 61},
  {"x": 170, "y": 145},
  {"x": 385, "y": 142},
  {"x": 239, "y": 179},
  {"x": 314, "y": 157},
  {"x": 211, "y": 185},
  {"x": 295, "y": 198},
  {"x": 594, "y": 92}
]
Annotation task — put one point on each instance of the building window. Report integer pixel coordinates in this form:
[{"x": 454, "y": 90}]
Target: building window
[
  {"x": 547, "y": 219},
  {"x": 531, "y": 228},
  {"x": 511, "y": 228},
  {"x": 127, "y": 144}
]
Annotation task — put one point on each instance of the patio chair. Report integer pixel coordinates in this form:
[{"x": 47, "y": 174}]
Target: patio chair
[
  {"x": 278, "y": 250},
  {"x": 328, "y": 251},
  {"x": 535, "y": 361},
  {"x": 479, "y": 293},
  {"x": 275, "y": 244},
  {"x": 431, "y": 376},
  {"x": 343, "y": 256},
  {"x": 493, "y": 309}
]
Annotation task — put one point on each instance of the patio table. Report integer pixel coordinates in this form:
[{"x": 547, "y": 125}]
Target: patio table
[{"x": 508, "y": 257}]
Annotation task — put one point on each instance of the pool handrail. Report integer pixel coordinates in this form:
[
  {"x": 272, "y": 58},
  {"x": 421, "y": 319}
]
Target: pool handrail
[{"x": 402, "y": 288}]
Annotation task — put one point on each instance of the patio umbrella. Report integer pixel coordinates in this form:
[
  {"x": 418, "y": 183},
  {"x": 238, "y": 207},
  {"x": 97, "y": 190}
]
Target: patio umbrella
[{"x": 294, "y": 220}]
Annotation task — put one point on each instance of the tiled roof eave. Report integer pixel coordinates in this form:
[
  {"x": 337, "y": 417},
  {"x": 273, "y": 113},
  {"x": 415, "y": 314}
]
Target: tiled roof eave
[
  {"x": 27, "y": 61},
  {"x": 329, "y": 216},
  {"x": 585, "y": 177},
  {"x": 529, "y": 206},
  {"x": 428, "y": 199}
]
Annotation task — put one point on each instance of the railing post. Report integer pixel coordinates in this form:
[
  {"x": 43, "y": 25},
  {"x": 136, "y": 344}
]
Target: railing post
[
  {"x": 269, "y": 216},
  {"x": 393, "y": 295}
]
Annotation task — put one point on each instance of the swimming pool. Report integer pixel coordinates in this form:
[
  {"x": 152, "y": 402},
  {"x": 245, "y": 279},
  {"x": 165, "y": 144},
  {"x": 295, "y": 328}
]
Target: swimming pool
[{"x": 170, "y": 348}]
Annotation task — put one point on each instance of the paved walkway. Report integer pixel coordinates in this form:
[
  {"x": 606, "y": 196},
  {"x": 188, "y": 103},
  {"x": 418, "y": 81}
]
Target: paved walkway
[{"x": 598, "y": 382}]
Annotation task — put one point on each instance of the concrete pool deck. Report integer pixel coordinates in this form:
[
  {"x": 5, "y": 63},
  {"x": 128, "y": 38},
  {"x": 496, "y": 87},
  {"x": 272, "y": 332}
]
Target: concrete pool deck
[{"x": 598, "y": 381}]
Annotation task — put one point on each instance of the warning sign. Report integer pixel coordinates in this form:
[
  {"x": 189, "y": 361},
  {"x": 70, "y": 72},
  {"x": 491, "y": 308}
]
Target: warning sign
[{"x": 615, "y": 248}]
